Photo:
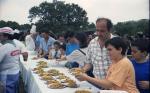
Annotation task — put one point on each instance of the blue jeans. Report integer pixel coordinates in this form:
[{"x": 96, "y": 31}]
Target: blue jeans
[{"x": 11, "y": 83}]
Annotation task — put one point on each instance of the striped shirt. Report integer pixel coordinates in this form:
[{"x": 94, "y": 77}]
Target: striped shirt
[{"x": 99, "y": 58}]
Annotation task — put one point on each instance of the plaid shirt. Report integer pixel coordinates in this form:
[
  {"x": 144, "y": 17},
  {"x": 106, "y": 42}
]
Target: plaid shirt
[{"x": 99, "y": 58}]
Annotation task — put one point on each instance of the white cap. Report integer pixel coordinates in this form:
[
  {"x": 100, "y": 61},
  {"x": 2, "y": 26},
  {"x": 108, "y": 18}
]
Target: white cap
[
  {"x": 7, "y": 30},
  {"x": 33, "y": 29},
  {"x": 16, "y": 31}
]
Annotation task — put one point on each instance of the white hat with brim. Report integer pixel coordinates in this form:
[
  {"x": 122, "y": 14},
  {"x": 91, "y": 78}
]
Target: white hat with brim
[
  {"x": 16, "y": 31},
  {"x": 6, "y": 30}
]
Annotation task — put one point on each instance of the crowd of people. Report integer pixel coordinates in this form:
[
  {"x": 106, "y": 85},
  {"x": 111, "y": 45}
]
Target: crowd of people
[{"x": 102, "y": 56}]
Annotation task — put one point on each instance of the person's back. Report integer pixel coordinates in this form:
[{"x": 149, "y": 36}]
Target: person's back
[
  {"x": 9, "y": 59},
  {"x": 30, "y": 44},
  {"x": 9, "y": 67}
]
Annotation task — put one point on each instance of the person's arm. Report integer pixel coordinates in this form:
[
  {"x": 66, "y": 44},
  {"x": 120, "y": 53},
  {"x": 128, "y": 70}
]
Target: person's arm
[
  {"x": 40, "y": 52},
  {"x": 86, "y": 67},
  {"x": 73, "y": 56},
  {"x": 50, "y": 55},
  {"x": 3, "y": 51},
  {"x": 44, "y": 54},
  {"x": 104, "y": 83}
]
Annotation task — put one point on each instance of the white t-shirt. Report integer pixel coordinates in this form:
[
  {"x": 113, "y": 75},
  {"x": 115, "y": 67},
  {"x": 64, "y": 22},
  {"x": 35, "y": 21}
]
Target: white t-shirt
[
  {"x": 20, "y": 45},
  {"x": 30, "y": 44},
  {"x": 77, "y": 56},
  {"x": 9, "y": 59}
]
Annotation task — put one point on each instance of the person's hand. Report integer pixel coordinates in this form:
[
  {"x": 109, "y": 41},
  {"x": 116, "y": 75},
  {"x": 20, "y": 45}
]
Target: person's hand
[
  {"x": 82, "y": 77},
  {"x": 58, "y": 59},
  {"x": 63, "y": 57},
  {"x": 35, "y": 58},
  {"x": 144, "y": 84},
  {"x": 39, "y": 56},
  {"x": 25, "y": 55}
]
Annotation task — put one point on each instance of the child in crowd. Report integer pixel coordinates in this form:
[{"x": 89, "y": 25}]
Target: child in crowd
[
  {"x": 141, "y": 64},
  {"x": 55, "y": 52}
]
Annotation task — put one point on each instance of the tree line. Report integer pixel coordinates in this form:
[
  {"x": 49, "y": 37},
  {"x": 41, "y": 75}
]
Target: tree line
[{"x": 61, "y": 17}]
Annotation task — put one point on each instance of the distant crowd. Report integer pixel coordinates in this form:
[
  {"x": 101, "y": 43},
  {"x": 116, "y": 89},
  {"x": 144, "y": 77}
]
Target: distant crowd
[{"x": 109, "y": 61}]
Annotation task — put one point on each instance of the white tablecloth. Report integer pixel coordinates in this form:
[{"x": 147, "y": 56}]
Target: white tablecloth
[{"x": 34, "y": 84}]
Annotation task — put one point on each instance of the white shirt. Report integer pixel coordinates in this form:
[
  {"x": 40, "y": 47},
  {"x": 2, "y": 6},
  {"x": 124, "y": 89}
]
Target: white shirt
[
  {"x": 54, "y": 54},
  {"x": 77, "y": 56},
  {"x": 98, "y": 57},
  {"x": 20, "y": 45},
  {"x": 9, "y": 59},
  {"x": 30, "y": 44}
]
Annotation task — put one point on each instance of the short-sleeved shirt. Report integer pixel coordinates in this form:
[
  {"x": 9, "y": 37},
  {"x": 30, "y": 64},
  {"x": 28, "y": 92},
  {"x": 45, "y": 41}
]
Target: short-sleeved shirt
[
  {"x": 122, "y": 75},
  {"x": 98, "y": 57},
  {"x": 20, "y": 45},
  {"x": 30, "y": 43},
  {"x": 70, "y": 47},
  {"x": 38, "y": 40},
  {"x": 55, "y": 54},
  {"x": 142, "y": 73},
  {"x": 9, "y": 59},
  {"x": 45, "y": 46},
  {"x": 78, "y": 56}
]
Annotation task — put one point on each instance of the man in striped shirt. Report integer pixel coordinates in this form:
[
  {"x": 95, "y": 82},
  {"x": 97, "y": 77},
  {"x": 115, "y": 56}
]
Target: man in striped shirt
[{"x": 97, "y": 54}]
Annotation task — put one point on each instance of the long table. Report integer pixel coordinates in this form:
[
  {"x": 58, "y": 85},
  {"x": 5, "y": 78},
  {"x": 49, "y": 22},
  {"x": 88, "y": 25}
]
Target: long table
[{"x": 34, "y": 84}]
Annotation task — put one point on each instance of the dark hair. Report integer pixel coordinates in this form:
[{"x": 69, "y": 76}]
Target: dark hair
[
  {"x": 63, "y": 46},
  {"x": 9, "y": 36},
  {"x": 109, "y": 23},
  {"x": 16, "y": 36},
  {"x": 117, "y": 43},
  {"x": 141, "y": 44},
  {"x": 57, "y": 43},
  {"x": 82, "y": 39},
  {"x": 69, "y": 34}
]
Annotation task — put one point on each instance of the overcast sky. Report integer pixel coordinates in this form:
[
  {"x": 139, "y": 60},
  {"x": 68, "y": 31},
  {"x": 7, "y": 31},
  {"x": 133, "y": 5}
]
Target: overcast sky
[{"x": 116, "y": 10}]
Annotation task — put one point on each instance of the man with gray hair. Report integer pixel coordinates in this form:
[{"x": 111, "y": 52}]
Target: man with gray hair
[{"x": 97, "y": 54}]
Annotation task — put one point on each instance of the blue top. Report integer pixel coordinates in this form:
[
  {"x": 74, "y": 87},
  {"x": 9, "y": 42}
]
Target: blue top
[
  {"x": 38, "y": 40},
  {"x": 45, "y": 46},
  {"x": 141, "y": 73},
  {"x": 70, "y": 47}
]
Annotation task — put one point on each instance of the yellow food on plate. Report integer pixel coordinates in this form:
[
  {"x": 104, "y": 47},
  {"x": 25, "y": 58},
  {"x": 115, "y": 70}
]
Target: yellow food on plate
[
  {"x": 83, "y": 91},
  {"x": 55, "y": 86},
  {"x": 52, "y": 81},
  {"x": 47, "y": 77},
  {"x": 71, "y": 83},
  {"x": 77, "y": 71}
]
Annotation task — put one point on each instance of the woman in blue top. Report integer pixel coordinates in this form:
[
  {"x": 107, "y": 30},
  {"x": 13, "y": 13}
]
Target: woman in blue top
[{"x": 141, "y": 64}]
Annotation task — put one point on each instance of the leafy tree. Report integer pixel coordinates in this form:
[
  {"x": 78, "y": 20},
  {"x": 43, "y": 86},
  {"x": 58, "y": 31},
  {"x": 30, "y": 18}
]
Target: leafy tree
[
  {"x": 2, "y": 23},
  {"x": 25, "y": 27},
  {"x": 132, "y": 27},
  {"x": 12, "y": 24},
  {"x": 15, "y": 25},
  {"x": 59, "y": 17}
]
